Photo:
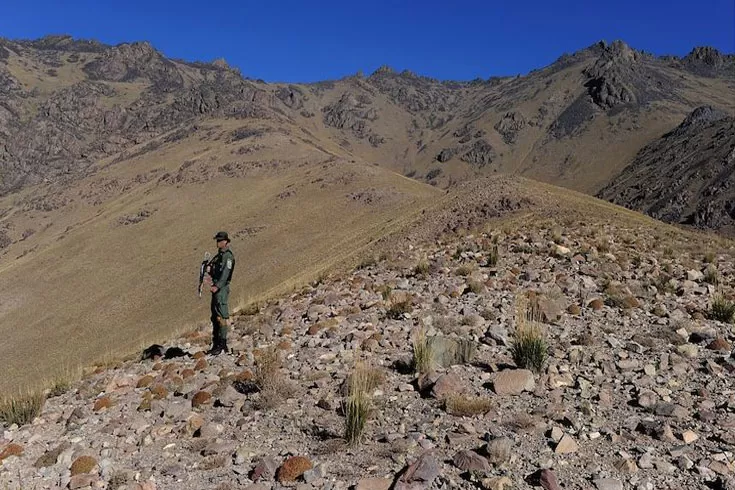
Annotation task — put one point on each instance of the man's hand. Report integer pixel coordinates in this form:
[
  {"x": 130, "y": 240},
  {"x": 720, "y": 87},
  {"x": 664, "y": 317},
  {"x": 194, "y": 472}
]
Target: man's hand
[{"x": 214, "y": 289}]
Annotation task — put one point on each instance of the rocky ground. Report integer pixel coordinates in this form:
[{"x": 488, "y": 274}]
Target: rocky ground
[{"x": 637, "y": 392}]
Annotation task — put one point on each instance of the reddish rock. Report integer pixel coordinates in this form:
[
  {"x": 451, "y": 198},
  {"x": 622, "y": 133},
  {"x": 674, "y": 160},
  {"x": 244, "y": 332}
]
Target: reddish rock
[
  {"x": 574, "y": 310},
  {"x": 102, "y": 403},
  {"x": 596, "y": 304},
  {"x": 159, "y": 391},
  {"x": 447, "y": 384},
  {"x": 420, "y": 474},
  {"x": 187, "y": 373},
  {"x": 201, "y": 398},
  {"x": 548, "y": 480},
  {"x": 11, "y": 450},
  {"x": 145, "y": 381},
  {"x": 293, "y": 468},
  {"x": 201, "y": 365},
  {"x": 719, "y": 345}
]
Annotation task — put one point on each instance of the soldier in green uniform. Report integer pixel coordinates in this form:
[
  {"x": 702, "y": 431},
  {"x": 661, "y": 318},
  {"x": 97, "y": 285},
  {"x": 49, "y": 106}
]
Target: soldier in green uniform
[{"x": 221, "y": 268}]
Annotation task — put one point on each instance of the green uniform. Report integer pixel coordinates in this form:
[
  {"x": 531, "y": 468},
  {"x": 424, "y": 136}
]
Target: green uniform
[{"x": 221, "y": 268}]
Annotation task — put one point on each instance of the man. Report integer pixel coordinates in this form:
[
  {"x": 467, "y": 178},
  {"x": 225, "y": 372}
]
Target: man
[{"x": 220, "y": 269}]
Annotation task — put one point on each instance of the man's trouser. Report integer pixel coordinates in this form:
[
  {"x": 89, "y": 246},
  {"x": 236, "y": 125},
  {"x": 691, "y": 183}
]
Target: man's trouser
[{"x": 220, "y": 314}]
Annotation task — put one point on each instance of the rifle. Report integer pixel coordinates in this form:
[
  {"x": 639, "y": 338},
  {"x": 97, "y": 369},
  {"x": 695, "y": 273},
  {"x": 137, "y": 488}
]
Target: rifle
[{"x": 203, "y": 272}]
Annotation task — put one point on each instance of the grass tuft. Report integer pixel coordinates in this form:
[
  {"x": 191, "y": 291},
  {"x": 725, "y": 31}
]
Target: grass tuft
[
  {"x": 397, "y": 309},
  {"x": 21, "y": 409},
  {"x": 722, "y": 309},
  {"x": 362, "y": 382},
  {"x": 422, "y": 353},
  {"x": 529, "y": 349},
  {"x": 272, "y": 386},
  {"x": 463, "y": 406},
  {"x": 421, "y": 269}
]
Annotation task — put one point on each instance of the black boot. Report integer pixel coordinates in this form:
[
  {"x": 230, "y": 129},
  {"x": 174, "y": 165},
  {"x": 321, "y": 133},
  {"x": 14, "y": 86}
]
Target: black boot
[{"x": 218, "y": 347}]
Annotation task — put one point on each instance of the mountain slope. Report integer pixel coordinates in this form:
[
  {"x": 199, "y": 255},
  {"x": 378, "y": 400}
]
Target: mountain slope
[{"x": 687, "y": 176}]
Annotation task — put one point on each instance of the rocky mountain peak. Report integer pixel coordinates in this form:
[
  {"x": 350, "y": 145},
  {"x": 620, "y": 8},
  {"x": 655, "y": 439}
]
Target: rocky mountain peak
[
  {"x": 706, "y": 55},
  {"x": 701, "y": 116}
]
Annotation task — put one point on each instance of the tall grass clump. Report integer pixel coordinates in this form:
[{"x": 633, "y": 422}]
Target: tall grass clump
[
  {"x": 529, "y": 348},
  {"x": 722, "y": 309},
  {"x": 362, "y": 382},
  {"x": 422, "y": 353},
  {"x": 21, "y": 409}
]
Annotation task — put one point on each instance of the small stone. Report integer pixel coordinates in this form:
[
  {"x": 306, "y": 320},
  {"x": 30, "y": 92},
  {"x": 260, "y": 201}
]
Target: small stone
[
  {"x": 514, "y": 382},
  {"x": 497, "y": 483},
  {"x": 689, "y": 351},
  {"x": 608, "y": 484},
  {"x": 470, "y": 461},
  {"x": 374, "y": 484},
  {"x": 145, "y": 381},
  {"x": 720, "y": 468},
  {"x": 566, "y": 445},
  {"x": 446, "y": 385},
  {"x": 81, "y": 481},
  {"x": 422, "y": 472},
  {"x": 556, "y": 434},
  {"x": 293, "y": 468},
  {"x": 719, "y": 345},
  {"x": 626, "y": 466},
  {"x": 83, "y": 464},
  {"x": 689, "y": 437},
  {"x": 265, "y": 469},
  {"x": 548, "y": 480},
  {"x": 574, "y": 310}
]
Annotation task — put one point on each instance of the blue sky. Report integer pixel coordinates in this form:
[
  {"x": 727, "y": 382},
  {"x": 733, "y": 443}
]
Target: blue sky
[{"x": 301, "y": 41}]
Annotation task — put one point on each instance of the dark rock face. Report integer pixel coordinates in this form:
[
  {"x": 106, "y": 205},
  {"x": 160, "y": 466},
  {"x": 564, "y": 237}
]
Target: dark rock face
[
  {"x": 510, "y": 125},
  {"x": 708, "y": 62},
  {"x": 480, "y": 154},
  {"x": 686, "y": 177}
]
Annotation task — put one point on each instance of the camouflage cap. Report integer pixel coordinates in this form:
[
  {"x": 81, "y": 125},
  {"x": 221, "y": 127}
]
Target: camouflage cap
[{"x": 221, "y": 235}]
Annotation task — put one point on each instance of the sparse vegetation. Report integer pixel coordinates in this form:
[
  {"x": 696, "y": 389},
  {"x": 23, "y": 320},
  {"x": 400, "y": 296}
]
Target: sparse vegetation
[
  {"x": 529, "y": 348},
  {"x": 367, "y": 262},
  {"x": 422, "y": 353},
  {"x": 385, "y": 291},
  {"x": 464, "y": 406},
  {"x": 722, "y": 309},
  {"x": 272, "y": 386},
  {"x": 21, "y": 409},
  {"x": 421, "y": 269},
  {"x": 362, "y": 382},
  {"x": 493, "y": 256},
  {"x": 464, "y": 270},
  {"x": 396, "y": 310},
  {"x": 709, "y": 257},
  {"x": 711, "y": 276},
  {"x": 475, "y": 287}
]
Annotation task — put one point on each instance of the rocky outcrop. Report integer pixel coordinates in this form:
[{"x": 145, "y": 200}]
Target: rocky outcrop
[{"x": 686, "y": 177}]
